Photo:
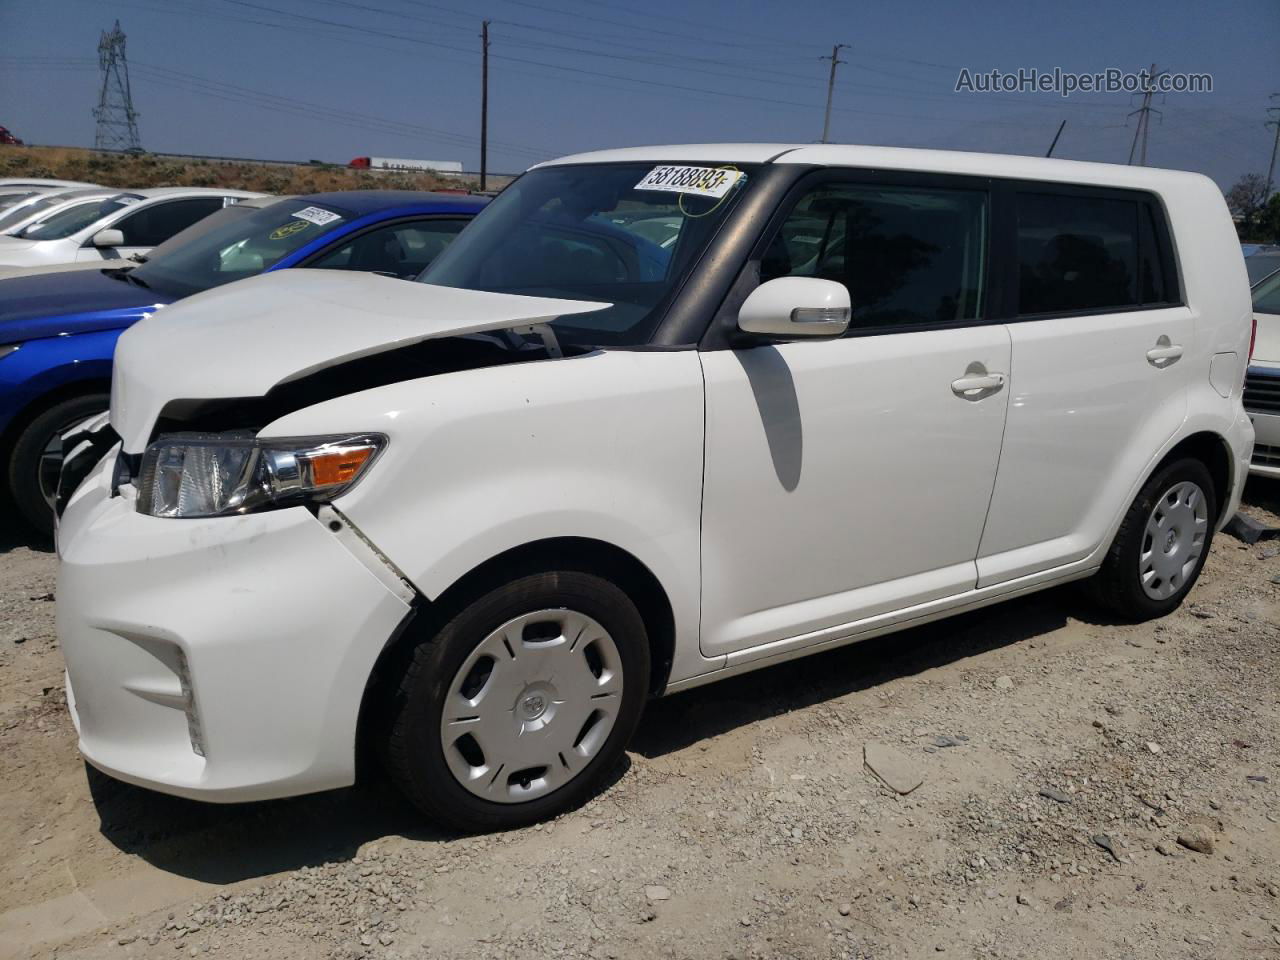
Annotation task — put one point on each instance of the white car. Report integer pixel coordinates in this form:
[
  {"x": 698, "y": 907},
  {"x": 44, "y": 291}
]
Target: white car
[
  {"x": 242, "y": 207},
  {"x": 39, "y": 205},
  {"x": 122, "y": 225},
  {"x": 473, "y": 523},
  {"x": 1262, "y": 384}
]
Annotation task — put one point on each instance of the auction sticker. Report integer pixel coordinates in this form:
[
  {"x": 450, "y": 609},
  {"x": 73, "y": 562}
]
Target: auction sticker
[
  {"x": 317, "y": 215},
  {"x": 700, "y": 181}
]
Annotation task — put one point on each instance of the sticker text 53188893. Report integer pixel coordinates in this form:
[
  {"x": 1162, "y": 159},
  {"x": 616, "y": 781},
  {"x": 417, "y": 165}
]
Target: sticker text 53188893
[{"x": 700, "y": 181}]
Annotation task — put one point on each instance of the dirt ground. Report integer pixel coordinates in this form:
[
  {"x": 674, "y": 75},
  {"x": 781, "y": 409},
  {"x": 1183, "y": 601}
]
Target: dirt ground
[{"x": 744, "y": 822}]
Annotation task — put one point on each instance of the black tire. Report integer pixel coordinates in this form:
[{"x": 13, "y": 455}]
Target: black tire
[
  {"x": 23, "y": 468},
  {"x": 1117, "y": 587},
  {"x": 414, "y": 753}
]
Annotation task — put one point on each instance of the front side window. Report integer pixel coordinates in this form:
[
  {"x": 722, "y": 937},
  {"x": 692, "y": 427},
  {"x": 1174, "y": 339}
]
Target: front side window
[
  {"x": 627, "y": 234},
  {"x": 400, "y": 249},
  {"x": 244, "y": 243},
  {"x": 155, "y": 224},
  {"x": 1080, "y": 253},
  {"x": 909, "y": 256},
  {"x": 73, "y": 219}
]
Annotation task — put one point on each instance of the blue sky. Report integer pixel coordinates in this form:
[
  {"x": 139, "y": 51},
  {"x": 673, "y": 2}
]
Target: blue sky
[{"x": 334, "y": 79}]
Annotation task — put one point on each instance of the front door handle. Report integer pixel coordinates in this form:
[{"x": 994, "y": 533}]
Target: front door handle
[
  {"x": 977, "y": 386},
  {"x": 1164, "y": 354}
]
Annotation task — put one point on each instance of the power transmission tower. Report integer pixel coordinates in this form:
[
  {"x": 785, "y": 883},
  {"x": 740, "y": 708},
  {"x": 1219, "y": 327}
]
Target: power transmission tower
[
  {"x": 1271, "y": 169},
  {"x": 484, "y": 104},
  {"x": 831, "y": 83},
  {"x": 117, "y": 120},
  {"x": 1144, "y": 118}
]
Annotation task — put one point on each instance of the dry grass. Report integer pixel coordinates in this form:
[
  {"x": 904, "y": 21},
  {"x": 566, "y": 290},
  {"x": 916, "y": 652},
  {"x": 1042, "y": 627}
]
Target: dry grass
[{"x": 146, "y": 170}]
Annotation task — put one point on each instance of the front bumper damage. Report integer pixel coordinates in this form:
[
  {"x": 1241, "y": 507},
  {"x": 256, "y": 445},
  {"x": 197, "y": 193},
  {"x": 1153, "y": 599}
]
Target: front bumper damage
[{"x": 222, "y": 659}]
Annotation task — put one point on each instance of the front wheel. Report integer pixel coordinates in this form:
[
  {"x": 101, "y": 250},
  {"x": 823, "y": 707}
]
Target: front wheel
[
  {"x": 521, "y": 705},
  {"x": 1162, "y": 544},
  {"x": 36, "y": 457}
]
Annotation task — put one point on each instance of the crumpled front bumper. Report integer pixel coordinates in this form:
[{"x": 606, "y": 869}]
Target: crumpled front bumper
[{"x": 221, "y": 659}]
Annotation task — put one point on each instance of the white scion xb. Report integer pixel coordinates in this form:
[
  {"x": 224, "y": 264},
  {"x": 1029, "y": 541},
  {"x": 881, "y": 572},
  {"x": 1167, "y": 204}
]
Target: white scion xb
[{"x": 473, "y": 523}]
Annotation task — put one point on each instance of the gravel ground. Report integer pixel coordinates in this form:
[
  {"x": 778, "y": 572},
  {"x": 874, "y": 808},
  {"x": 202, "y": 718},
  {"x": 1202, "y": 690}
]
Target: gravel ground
[{"x": 1089, "y": 790}]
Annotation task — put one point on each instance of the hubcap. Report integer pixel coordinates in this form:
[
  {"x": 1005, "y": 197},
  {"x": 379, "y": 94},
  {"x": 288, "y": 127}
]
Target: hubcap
[
  {"x": 531, "y": 705},
  {"x": 1173, "y": 540}
]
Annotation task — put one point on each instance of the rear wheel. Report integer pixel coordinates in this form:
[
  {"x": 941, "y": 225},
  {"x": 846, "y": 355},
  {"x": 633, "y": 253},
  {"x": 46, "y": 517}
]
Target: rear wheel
[
  {"x": 1162, "y": 544},
  {"x": 522, "y": 704},
  {"x": 36, "y": 458}
]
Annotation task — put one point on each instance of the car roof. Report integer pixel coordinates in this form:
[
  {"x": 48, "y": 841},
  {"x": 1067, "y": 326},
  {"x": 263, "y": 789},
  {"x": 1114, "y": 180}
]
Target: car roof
[
  {"x": 363, "y": 202},
  {"x": 40, "y": 182},
  {"x": 892, "y": 158},
  {"x": 153, "y": 192}
]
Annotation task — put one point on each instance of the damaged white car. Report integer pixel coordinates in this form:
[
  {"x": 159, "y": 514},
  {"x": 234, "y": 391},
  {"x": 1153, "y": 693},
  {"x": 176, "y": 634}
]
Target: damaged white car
[{"x": 470, "y": 525}]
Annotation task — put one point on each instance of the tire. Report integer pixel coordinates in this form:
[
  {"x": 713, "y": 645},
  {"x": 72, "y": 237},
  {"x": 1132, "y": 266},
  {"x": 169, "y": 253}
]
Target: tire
[
  {"x": 26, "y": 455},
  {"x": 1135, "y": 583},
  {"x": 544, "y": 679}
]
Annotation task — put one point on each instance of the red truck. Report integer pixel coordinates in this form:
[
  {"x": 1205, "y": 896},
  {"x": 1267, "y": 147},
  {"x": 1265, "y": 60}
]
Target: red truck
[{"x": 9, "y": 138}]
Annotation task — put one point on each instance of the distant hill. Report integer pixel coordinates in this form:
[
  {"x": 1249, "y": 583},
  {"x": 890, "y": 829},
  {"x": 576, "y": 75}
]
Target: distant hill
[{"x": 158, "y": 170}]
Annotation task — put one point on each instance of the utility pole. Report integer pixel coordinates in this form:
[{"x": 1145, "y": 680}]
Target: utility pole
[
  {"x": 484, "y": 104},
  {"x": 117, "y": 120},
  {"x": 831, "y": 84},
  {"x": 1144, "y": 118},
  {"x": 1271, "y": 169},
  {"x": 1049, "y": 152}
]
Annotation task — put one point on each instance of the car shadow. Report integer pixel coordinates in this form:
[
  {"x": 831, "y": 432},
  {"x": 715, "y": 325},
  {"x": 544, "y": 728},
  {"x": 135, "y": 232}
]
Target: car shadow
[
  {"x": 228, "y": 843},
  {"x": 14, "y": 534},
  {"x": 679, "y": 721}
]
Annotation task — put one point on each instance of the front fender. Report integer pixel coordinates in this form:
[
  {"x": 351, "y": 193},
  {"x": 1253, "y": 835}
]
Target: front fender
[
  {"x": 606, "y": 446},
  {"x": 40, "y": 367}
]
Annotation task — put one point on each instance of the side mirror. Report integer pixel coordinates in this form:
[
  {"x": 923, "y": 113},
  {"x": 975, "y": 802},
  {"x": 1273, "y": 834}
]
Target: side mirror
[
  {"x": 108, "y": 238},
  {"x": 794, "y": 307}
]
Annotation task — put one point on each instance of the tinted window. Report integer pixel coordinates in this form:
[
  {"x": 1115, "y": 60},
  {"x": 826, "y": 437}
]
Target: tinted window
[
  {"x": 908, "y": 255},
  {"x": 153, "y": 225},
  {"x": 401, "y": 249},
  {"x": 1089, "y": 253}
]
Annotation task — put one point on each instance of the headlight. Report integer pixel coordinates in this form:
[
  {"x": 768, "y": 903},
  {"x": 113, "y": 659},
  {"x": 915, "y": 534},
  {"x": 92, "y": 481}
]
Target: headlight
[{"x": 209, "y": 475}]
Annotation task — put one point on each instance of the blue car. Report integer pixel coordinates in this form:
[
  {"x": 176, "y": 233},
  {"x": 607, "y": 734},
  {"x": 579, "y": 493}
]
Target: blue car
[{"x": 58, "y": 330}]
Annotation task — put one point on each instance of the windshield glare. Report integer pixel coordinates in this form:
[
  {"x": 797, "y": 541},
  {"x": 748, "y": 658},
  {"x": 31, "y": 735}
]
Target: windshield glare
[
  {"x": 239, "y": 243},
  {"x": 586, "y": 233},
  {"x": 73, "y": 219}
]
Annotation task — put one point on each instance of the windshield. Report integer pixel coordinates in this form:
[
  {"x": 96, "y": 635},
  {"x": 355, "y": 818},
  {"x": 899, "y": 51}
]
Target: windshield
[
  {"x": 1266, "y": 295},
  {"x": 240, "y": 244},
  {"x": 10, "y": 199},
  {"x": 73, "y": 219},
  {"x": 1261, "y": 265},
  {"x": 29, "y": 207},
  {"x": 627, "y": 234}
]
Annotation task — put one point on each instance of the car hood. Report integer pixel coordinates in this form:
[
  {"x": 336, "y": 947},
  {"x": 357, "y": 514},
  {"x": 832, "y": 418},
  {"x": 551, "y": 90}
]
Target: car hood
[
  {"x": 50, "y": 305},
  {"x": 1266, "y": 346},
  {"x": 243, "y": 339}
]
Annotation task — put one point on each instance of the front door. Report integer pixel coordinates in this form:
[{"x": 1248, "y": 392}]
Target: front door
[{"x": 850, "y": 478}]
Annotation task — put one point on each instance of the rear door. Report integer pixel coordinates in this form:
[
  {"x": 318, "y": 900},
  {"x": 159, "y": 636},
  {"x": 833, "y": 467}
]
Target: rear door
[
  {"x": 1098, "y": 382},
  {"x": 850, "y": 478}
]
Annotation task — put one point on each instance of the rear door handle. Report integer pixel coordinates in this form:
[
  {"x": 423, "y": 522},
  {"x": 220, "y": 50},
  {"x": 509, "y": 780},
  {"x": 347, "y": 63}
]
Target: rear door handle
[
  {"x": 1164, "y": 354},
  {"x": 978, "y": 386}
]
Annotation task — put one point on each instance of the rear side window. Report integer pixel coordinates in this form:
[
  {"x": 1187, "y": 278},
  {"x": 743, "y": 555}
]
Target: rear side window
[
  {"x": 152, "y": 226},
  {"x": 1079, "y": 253},
  {"x": 909, "y": 256}
]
